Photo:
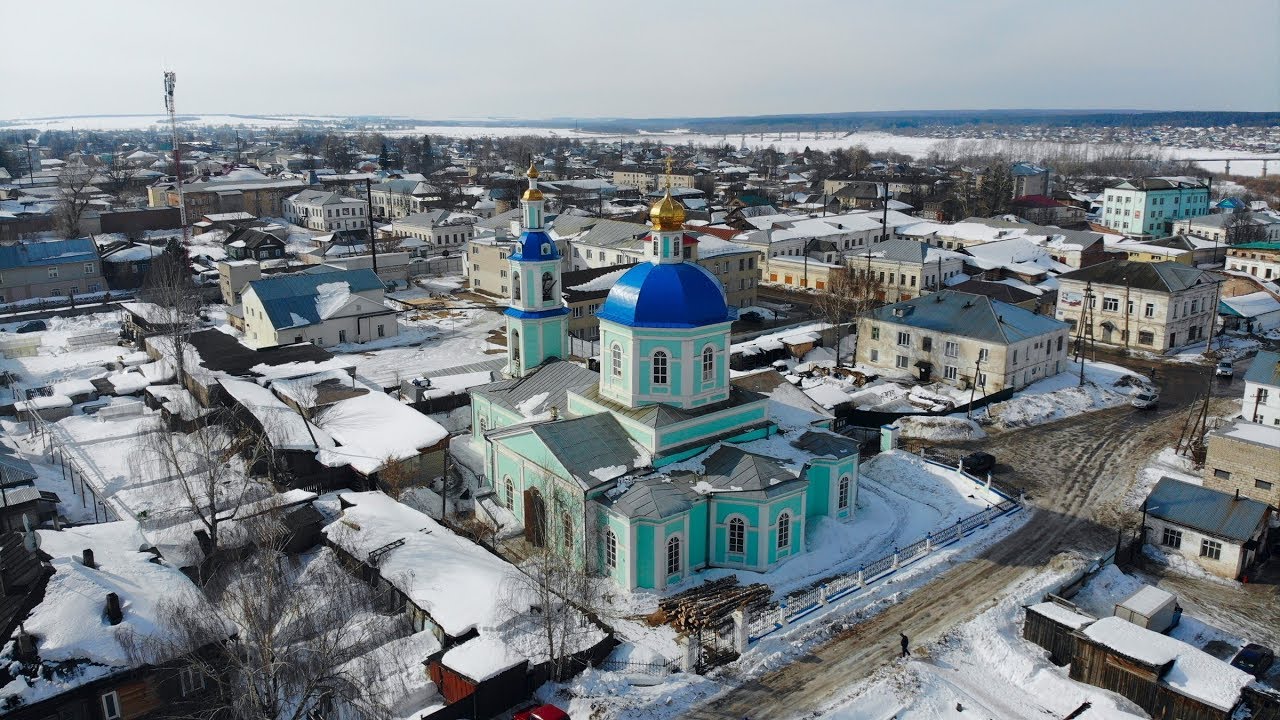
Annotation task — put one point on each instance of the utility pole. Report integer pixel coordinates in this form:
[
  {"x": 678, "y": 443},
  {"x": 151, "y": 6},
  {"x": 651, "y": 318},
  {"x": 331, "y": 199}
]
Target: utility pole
[
  {"x": 1128, "y": 310},
  {"x": 973, "y": 387},
  {"x": 373, "y": 246}
]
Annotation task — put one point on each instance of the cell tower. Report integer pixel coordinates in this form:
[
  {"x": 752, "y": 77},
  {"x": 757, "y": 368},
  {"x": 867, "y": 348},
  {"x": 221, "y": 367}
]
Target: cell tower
[{"x": 170, "y": 80}]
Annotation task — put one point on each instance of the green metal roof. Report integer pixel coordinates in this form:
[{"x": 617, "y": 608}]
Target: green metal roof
[{"x": 1210, "y": 511}]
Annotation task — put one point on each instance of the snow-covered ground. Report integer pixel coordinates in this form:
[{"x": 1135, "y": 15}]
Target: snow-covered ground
[
  {"x": 434, "y": 341},
  {"x": 1062, "y": 395},
  {"x": 1224, "y": 346},
  {"x": 985, "y": 668}
]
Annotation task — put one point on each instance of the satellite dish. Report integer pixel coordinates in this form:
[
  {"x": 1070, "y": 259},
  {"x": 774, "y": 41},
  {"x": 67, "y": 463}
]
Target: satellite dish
[{"x": 30, "y": 538}]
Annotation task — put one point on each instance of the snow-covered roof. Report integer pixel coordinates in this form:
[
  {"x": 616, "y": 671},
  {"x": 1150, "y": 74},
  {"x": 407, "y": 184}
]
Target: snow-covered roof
[
  {"x": 1194, "y": 672},
  {"x": 1062, "y": 615},
  {"x": 285, "y": 428},
  {"x": 1148, "y": 600},
  {"x": 70, "y": 623},
  {"x": 483, "y": 657},
  {"x": 373, "y": 429},
  {"x": 1251, "y": 305},
  {"x": 458, "y": 583}
]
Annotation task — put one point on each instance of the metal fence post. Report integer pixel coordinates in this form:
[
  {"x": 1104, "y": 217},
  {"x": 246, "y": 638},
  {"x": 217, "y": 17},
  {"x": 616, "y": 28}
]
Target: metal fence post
[
  {"x": 895, "y": 557},
  {"x": 822, "y": 594},
  {"x": 928, "y": 543},
  {"x": 861, "y": 584}
]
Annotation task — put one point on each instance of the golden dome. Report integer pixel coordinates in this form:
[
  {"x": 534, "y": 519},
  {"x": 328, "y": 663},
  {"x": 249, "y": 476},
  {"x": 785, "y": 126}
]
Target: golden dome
[
  {"x": 532, "y": 194},
  {"x": 666, "y": 214},
  {"x": 532, "y": 172}
]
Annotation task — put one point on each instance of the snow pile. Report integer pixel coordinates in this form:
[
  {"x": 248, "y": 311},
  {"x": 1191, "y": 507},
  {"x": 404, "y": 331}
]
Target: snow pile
[
  {"x": 529, "y": 408},
  {"x": 1195, "y": 673},
  {"x": 1062, "y": 396},
  {"x": 330, "y": 297},
  {"x": 939, "y": 428},
  {"x": 285, "y": 428}
]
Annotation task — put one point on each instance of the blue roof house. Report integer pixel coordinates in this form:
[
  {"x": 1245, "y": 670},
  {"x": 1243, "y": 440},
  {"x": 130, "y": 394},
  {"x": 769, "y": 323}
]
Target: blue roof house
[
  {"x": 53, "y": 269},
  {"x": 324, "y": 307}
]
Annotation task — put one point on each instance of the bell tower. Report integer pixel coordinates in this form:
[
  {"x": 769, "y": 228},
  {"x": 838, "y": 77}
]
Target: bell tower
[{"x": 537, "y": 319}]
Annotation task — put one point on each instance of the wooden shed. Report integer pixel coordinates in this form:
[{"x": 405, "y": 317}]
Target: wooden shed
[
  {"x": 1168, "y": 678},
  {"x": 1052, "y": 625}
]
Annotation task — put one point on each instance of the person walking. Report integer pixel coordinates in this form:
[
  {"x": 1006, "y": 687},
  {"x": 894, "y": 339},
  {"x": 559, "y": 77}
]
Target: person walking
[{"x": 906, "y": 644}]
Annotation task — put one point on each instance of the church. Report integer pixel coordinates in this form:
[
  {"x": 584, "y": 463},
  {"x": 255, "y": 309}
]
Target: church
[{"x": 637, "y": 471}]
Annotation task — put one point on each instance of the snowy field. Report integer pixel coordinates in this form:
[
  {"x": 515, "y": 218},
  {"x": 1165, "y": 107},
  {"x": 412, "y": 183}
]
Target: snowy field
[
  {"x": 985, "y": 668},
  {"x": 876, "y": 142}
]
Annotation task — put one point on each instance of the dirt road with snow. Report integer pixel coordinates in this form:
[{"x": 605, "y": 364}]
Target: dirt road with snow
[{"x": 1075, "y": 471}]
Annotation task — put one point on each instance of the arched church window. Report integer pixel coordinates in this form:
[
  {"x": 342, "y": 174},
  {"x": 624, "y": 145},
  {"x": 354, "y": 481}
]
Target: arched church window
[
  {"x": 737, "y": 535},
  {"x": 515, "y": 347},
  {"x": 548, "y": 286},
  {"x": 843, "y": 492},
  {"x": 615, "y": 360},
  {"x": 515, "y": 286},
  {"x": 660, "y": 368},
  {"x": 566, "y": 523},
  {"x": 708, "y": 364},
  {"x": 784, "y": 530},
  {"x": 510, "y": 488},
  {"x": 673, "y": 556}
]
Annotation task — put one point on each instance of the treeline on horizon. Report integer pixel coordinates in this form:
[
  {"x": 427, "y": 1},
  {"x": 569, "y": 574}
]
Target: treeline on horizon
[{"x": 912, "y": 120}]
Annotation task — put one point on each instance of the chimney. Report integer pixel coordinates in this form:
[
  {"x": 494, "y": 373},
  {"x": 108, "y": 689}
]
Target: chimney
[
  {"x": 1237, "y": 493},
  {"x": 114, "y": 613},
  {"x": 87, "y": 558},
  {"x": 206, "y": 545},
  {"x": 25, "y": 647}
]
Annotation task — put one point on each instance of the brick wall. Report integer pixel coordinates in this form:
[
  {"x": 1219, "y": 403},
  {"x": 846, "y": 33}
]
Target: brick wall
[{"x": 1250, "y": 467}]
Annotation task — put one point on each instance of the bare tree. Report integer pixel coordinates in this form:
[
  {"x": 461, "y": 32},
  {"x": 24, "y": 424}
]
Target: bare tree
[
  {"x": 557, "y": 581},
  {"x": 119, "y": 174},
  {"x": 1241, "y": 228},
  {"x": 177, "y": 304},
  {"x": 75, "y": 192},
  {"x": 211, "y": 468},
  {"x": 286, "y": 638},
  {"x": 849, "y": 294}
]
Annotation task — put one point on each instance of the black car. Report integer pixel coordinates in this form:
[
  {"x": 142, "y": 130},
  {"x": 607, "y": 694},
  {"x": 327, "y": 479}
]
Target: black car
[
  {"x": 32, "y": 326},
  {"x": 1254, "y": 659},
  {"x": 979, "y": 462}
]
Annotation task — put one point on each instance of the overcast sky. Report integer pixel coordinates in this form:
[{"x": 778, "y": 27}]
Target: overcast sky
[{"x": 599, "y": 58}]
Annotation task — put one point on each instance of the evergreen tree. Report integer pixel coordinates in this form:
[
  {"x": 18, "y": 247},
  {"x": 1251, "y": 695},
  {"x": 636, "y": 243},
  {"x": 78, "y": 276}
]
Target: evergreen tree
[
  {"x": 425, "y": 159},
  {"x": 384, "y": 157}
]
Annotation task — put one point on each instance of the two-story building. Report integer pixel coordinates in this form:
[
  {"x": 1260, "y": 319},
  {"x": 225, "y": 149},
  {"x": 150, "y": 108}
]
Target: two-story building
[
  {"x": 904, "y": 269},
  {"x": 1151, "y": 306},
  {"x": 442, "y": 230},
  {"x": 324, "y": 307},
  {"x": 648, "y": 181},
  {"x": 261, "y": 198},
  {"x": 1232, "y": 228},
  {"x": 964, "y": 340},
  {"x": 326, "y": 211},
  {"x": 1150, "y": 206},
  {"x": 397, "y": 198},
  {"x": 1259, "y": 259},
  {"x": 53, "y": 269}
]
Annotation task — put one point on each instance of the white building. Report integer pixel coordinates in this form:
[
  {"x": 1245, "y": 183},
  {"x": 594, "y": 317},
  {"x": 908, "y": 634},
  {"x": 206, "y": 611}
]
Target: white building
[
  {"x": 1151, "y": 306},
  {"x": 442, "y": 230},
  {"x": 325, "y": 307},
  {"x": 326, "y": 211},
  {"x": 963, "y": 340},
  {"x": 904, "y": 269},
  {"x": 1262, "y": 390}
]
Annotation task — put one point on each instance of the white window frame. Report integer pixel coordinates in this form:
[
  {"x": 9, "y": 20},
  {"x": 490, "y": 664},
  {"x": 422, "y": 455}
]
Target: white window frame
[{"x": 112, "y": 711}]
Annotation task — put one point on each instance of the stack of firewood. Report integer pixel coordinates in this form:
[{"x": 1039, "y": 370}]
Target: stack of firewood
[{"x": 710, "y": 604}]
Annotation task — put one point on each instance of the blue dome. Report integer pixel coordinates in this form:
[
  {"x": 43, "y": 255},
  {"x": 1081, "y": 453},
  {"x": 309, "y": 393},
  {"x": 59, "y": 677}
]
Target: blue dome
[
  {"x": 676, "y": 295},
  {"x": 532, "y": 244}
]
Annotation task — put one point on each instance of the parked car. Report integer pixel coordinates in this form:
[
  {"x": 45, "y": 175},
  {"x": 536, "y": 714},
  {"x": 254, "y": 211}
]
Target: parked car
[
  {"x": 1145, "y": 399},
  {"x": 32, "y": 326},
  {"x": 542, "y": 712},
  {"x": 979, "y": 462},
  {"x": 1254, "y": 659},
  {"x": 1224, "y": 369}
]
